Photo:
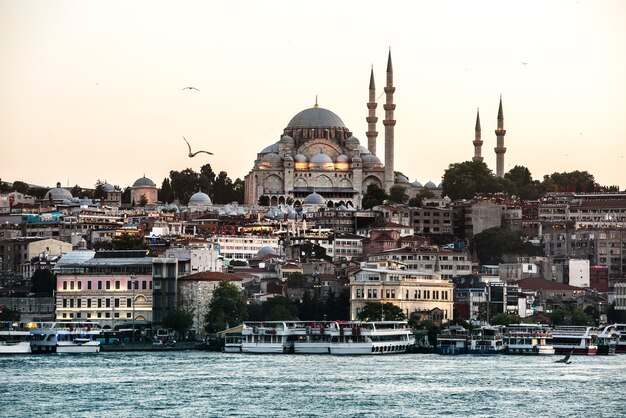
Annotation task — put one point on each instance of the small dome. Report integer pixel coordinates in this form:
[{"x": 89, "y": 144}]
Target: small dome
[
  {"x": 402, "y": 179},
  {"x": 357, "y": 159},
  {"x": 313, "y": 199},
  {"x": 199, "y": 199},
  {"x": 417, "y": 184},
  {"x": 58, "y": 193},
  {"x": 288, "y": 158},
  {"x": 342, "y": 158},
  {"x": 271, "y": 158},
  {"x": 286, "y": 140},
  {"x": 430, "y": 185},
  {"x": 144, "y": 182},
  {"x": 315, "y": 117},
  {"x": 352, "y": 142},
  {"x": 299, "y": 158},
  {"x": 270, "y": 148},
  {"x": 364, "y": 150},
  {"x": 265, "y": 251},
  {"x": 371, "y": 160},
  {"x": 321, "y": 158},
  {"x": 107, "y": 187}
]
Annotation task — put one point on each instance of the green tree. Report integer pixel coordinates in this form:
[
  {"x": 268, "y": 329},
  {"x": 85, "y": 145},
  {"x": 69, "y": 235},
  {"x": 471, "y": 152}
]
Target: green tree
[
  {"x": 574, "y": 181},
  {"x": 77, "y": 191},
  {"x": 264, "y": 200},
  {"x": 374, "y": 195},
  {"x": 44, "y": 282},
  {"x": 7, "y": 314},
  {"x": 179, "y": 320},
  {"x": 4, "y": 187},
  {"x": 226, "y": 309},
  {"x": 143, "y": 200},
  {"x": 569, "y": 315},
  {"x": 99, "y": 192},
  {"x": 239, "y": 187},
  {"x": 184, "y": 183},
  {"x": 127, "y": 242},
  {"x": 417, "y": 201},
  {"x": 20, "y": 187},
  {"x": 207, "y": 179},
  {"x": 492, "y": 244},
  {"x": 465, "y": 180},
  {"x": 522, "y": 183},
  {"x": 223, "y": 188},
  {"x": 397, "y": 194},
  {"x": 505, "y": 319},
  {"x": 126, "y": 196},
  {"x": 166, "y": 193},
  {"x": 374, "y": 311}
]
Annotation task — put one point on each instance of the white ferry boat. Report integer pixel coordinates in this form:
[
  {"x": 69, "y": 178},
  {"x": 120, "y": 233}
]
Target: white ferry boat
[
  {"x": 486, "y": 340},
  {"x": 452, "y": 341},
  {"x": 327, "y": 337},
  {"x": 66, "y": 337},
  {"x": 528, "y": 339},
  {"x": 575, "y": 339},
  {"x": 378, "y": 337},
  {"x": 607, "y": 340},
  {"x": 620, "y": 346},
  {"x": 14, "y": 341}
]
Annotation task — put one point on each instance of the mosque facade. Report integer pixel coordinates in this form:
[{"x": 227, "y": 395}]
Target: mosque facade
[{"x": 317, "y": 153}]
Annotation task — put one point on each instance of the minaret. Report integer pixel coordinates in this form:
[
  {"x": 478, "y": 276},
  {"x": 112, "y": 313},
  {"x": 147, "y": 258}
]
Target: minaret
[
  {"x": 500, "y": 150},
  {"x": 389, "y": 123},
  {"x": 371, "y": 118},
  {"x": 477, "y": 141}
]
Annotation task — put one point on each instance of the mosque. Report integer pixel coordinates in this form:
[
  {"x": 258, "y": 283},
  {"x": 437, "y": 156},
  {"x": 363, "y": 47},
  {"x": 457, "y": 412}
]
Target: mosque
[{"x": 318, "y": 155}]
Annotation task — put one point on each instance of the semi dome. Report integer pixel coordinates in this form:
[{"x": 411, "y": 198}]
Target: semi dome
[
  {"x": 144, "y": 182},
  {"x": 287, "y": 141},
  {"x": 58, "y": 193},
  {"x": 322, "y": 161},
  {"x": 342, "y": 158},
  {"x": 270, "y": 148},
  {"x": 352, "y": 142},
  {"x": 299, "y": 158},
  {"x": 271, "y": 158},
  {"x": 364, "y": 150},
  {"x": 315, "y": 117},
  {"x": 314, "y": 199},
  {"x": 430, "y": 185},
  {"x": 402, "y": 179},
  {"x": 371, "y": 160},
  {"x": 199, "y": 199}
]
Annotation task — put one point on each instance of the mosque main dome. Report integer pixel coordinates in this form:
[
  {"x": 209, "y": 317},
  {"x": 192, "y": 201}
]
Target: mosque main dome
[{"x": 315, "y": 117}]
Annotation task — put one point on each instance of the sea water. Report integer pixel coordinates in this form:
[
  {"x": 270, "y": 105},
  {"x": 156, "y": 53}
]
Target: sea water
[{"x": 207, "y": 384}]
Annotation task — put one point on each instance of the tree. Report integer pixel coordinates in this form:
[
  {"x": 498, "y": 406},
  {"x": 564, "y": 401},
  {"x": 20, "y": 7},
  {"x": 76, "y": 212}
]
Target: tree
[
  {"x": 373, "y": 196},
  {"x": 397, "y": 194},
  {"x": 20, "y": 187},
  {"x": 374, "y": 311},
  {"x": 505, "y": 319},
  {"x": 143, "y": 200},
  {"x": 179, "y": 320},
  {"x": 264, "y": 200},
  {"x": 207, "y": 179},
  {"x": 126, "y": 196},
  {"x": 184, "y": 183},
  {"x": 569, "y": 315},
  {"x": 127, "y": 242},
  {"x": 223, "y": 188},
  {"x": 99, "y": 192},
  {"x": 226, "y": 309},
  {"x": 417, "y": 201},
  {"x": 166, "y": 193},
  {"x": 239, "y": 188},
  {"x": 44, "y": 282},
  {"x": 575, "y": 181},
  {"x": 7, "y": 314},
  {"x": 4, "y": 187},
  {"x": 465, "y": 180},
  {"x": 77, "y": 191},
  {"x": 492, "y": 244},
  {"x": 522, "y": 183}
]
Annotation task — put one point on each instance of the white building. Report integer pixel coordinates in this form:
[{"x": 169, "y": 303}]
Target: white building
[
  {"x": 201, "y": 257},
  {"x": 579, "y": 272}
]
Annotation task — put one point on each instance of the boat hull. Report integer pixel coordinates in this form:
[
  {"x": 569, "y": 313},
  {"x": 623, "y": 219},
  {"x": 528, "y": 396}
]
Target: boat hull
[
  {"x": 588, "y": 351},
  {"x": 22, "y": 347}
]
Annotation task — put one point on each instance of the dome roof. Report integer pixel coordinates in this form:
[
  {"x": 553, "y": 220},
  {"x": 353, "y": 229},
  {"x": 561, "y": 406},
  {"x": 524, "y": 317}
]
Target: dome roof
[
  {"x": 288, "y": 157},
  {"x": 265, "y": 251},
  {"x": 315, "y": 117},
  {"x": 144, "y": 182},
  {"x": 271, "y": 158},
  {"x": 357, "y": 159},
  {"x": 352, "y": 141},
  {"x": 299, "y": 158},
  {"x": 364, "y": 150},
  {"x": 313, "y": 199},
  {"x": 371, "y": 159},
  {"x": 417, "y": 184},
  {"x": 270, "y": 148},
  {"x": 199, "y": 199},
  {"x": 342, "y": 158},
  {"x": 58, "y": 193},
  {"x": 321, "y": 158},
  {"x": 402, "y": 179},
  {"x": 430, "y": 185},
  {"x": 287, "y": 140},
  {"x": 107, "y": 187}
]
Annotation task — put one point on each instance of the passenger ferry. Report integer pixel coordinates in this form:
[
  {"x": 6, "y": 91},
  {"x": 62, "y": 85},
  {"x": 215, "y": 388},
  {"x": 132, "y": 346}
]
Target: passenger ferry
[
  {"x": 452, "y": 341},
  {"x": 14, "y": 341},
  {"x": 607, "y": 340},
  {"x": 378, "y": 337},
  {"x": 575, "y": 339},
  {"x": 327, "y": 337},
  {"x": 620, "y": 346},
  {"x": 528, "y": 339},
  {"x": 486, "y": 340},
  {"x": 66, "y": 337}
]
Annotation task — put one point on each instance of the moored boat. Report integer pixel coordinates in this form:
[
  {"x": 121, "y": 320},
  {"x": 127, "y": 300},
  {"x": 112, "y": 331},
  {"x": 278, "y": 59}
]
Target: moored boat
[
  {"x": 620, "y": 346},
  {"x": 485, "y": 340},
  {"x": 66, "y": 337},
  {"x": 528, "y": 339},
  {"x": 14, "y": 340},
  {"x": 575, "y": 339},
  {"x": 376, "y": 337},
  {"x": 607, "y": 340},
  {"x": 452, "y": 341}
]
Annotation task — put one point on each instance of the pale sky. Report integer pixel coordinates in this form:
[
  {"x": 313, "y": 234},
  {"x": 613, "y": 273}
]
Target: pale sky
[{"x": 93, "y": 89}]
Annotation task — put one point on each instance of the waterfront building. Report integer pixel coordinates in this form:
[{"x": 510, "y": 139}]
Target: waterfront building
[
  {"x": 410, "y": 290},
  {"x": 245, "y": 247},
  {"x": 428, "y": 259}
]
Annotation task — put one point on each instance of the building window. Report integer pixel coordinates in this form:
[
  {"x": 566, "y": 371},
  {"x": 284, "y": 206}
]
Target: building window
[
  {"x": 117, "y": 302},
  {"x": 64, "y": 303},
  {"x": 108, "y": 303},
  {"x": 89, "y": 303},
  {"x": 78, "y": 303},
  {"x": 89, "y": 285},
  {"x": 71, "y": 285},
  {"x": 108, "y": 284},
  {"x": 79, "y": 285},
  {"x": 99, "y": 284},
  {"x": 71, "y": 303},
  {"x": 117, "y": 284},
  {"x": 144, "y": 284},
  {"x": 129, "y": 302},
  {"x": 64, "y": 285},
  {"x": 99, "y": 304}
]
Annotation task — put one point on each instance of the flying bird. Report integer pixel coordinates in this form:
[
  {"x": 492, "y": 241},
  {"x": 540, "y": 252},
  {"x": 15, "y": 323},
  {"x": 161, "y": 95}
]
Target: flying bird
[
  {"x": 193, "y": 154},
  {"x": 566, "y": 358},
  {"x": 190, "y": 88}
]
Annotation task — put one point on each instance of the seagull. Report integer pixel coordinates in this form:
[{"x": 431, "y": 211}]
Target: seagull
[
  {"x": 190, "y": 88},
  {"x": 193, "y": 154},
  {"x": 566, "y": 358}
]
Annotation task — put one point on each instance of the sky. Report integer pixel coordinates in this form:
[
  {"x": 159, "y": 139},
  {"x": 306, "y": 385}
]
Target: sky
[{"x": 93, "y": 90}]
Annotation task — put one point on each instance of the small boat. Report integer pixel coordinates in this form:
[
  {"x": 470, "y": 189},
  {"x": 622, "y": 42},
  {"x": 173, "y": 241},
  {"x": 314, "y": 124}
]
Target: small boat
[
  {"x": 620, "y": 347},
  {"x": 528, "y": 339},
  {"x": 376, "y": 337},
  {"x": 452, "y": 341},
  {"x": 14, "y": 340},
  {"x": 486, "y": 340},
  {"x": 575, "y": 339},
  {"x": 607, "y": 340},
  {"x": 66, "y": 337}
]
